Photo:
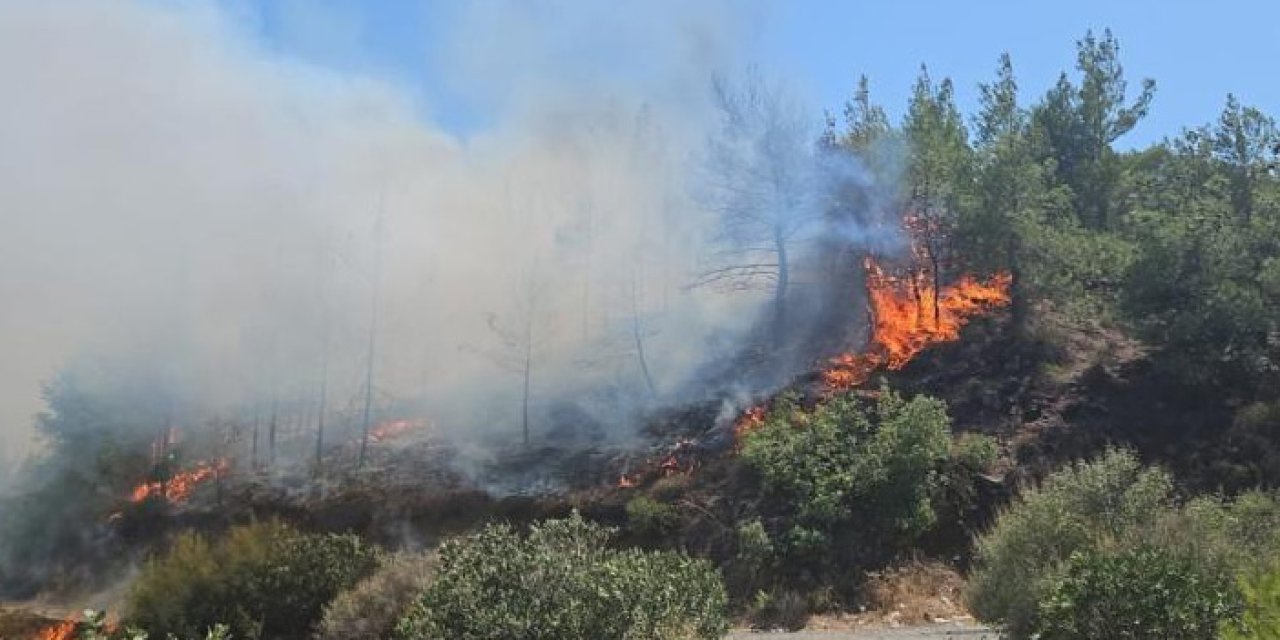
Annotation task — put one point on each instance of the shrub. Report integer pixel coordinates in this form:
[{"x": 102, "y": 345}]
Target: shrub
[
  {"x": 562, "y": 582},
  {"x": 1145, "y": 593},
  {"x": 1076, "y": 509},
  {"x": 847, "y": 464},
  {"x": 1260, "y": 619},
  {"x": 647, "y": 516},
  {"x": 974, "y": 451},
  {"x": 369, "y": 611},
  {"x": 779, "y": 609},
  {"x": 262, "y": 580}
]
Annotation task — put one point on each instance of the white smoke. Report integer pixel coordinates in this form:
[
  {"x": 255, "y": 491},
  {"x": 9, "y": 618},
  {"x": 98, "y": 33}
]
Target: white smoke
[{"x": 177, "y": 199}]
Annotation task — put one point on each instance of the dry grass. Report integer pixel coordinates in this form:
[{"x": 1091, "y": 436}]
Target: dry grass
[{"x": 916, "y": 592}]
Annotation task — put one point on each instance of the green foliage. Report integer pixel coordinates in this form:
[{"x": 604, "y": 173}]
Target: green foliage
[
  {"x": 974, "y": 451},
  {"x": 1261, "y": 617},
  {"x": 370, "y": 610},
  {"x": 851, "y": 482},
  {"x": 649, "y": 517},
  {"x": 842, "y": 459},
  {"x": 1145, "y": 593},
  {"x": 263, "y": 580},
  {"x": 561, "y": 581},
  {"x": 1076, "y": 509},
  {"x": 1108, "y": 520},
  {"x": 95, "y": 627}
]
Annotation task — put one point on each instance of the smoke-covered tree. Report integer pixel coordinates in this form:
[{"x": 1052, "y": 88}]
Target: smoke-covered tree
[
  {"x": 54, "y": 528},
  {"x": 520, "y": 338},
  {"x": 866, "y": 124},
  {"x": 763, "y": 179}
]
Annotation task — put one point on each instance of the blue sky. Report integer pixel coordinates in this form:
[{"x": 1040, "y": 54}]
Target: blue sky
[{"x": 1196, "y": 51}]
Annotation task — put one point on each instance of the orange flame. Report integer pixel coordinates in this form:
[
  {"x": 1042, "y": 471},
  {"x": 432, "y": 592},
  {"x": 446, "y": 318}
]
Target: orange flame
[
  {"x": 750, "y": 420},
  {"x": 391, "y": 429},
  {"x": 626, "y": 483},
  {"x": 180, "y": 486},
  {"x": 59, "y": 631},
  {"x": 909, "y": 316}
]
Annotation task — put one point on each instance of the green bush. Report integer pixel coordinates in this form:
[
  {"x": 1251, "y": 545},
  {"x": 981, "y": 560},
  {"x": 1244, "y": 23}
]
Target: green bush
[
  {"x": 647, "y": 516},
  {"x": 263, "y": 580},
  {"x": 851, "y": 482},
  {"x": 1079, "y": 508},
  {"x": 369, "y": 611},
  {"x": 1261, "y": 617},
  {"x": 974, "y": 451},
  {"x": 562, "y": 582},
  {"x": 1144, "y": 593}
]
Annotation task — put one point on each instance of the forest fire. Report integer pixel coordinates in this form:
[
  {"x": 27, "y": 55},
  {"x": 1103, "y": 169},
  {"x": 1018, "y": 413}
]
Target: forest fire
[
  {"x": 179, "y": 487},
  {"x": 681, "y": 458},
  {"x": 63, "y": 630},
  {"x": 392, "y": 429},
  {"x": 750, "y": 420},
  {"x": 909, "y": 315}
]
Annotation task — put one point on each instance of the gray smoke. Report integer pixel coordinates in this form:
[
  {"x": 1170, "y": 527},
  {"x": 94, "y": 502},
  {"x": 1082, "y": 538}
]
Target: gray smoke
[{"x": 181, "y": 206}]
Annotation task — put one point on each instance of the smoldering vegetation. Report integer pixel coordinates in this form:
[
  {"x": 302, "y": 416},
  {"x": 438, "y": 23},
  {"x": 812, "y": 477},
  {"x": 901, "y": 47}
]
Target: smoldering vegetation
[{"x": 224, "y": 254}]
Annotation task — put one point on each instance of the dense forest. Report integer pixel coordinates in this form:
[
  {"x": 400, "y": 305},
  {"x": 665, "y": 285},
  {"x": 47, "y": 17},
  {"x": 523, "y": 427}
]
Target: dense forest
[{"x": 1092, "y": 454}]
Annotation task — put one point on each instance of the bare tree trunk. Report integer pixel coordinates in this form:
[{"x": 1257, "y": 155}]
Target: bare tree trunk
[
  {"x": 253, "y": 449},
  {"x": 373, "y": 332},
  {"x": 271, "y": 432},
  {"x": 638, "y": 336},
  {"x": 528, "y": 369},
  {"x": 937, "y": 285},
  {"x": 780, "y": 290},
  {"x": 324, "y": 384}
]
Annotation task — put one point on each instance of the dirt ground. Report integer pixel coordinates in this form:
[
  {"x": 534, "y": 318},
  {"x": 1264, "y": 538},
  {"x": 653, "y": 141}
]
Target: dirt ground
[{"x": 927, "y": 632}]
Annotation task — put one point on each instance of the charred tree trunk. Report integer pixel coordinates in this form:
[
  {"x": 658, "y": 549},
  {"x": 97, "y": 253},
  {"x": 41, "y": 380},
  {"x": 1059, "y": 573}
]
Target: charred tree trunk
[
  {"x": 373, "y": 333},
  {"x": 524, "y": 403},
  {"x": 780, "y": 290},
  {"x": 271, "y": 432},
  {"x": 253, "y": 448},
  {"x": 638, "y": 336},
  {"x": 936, "y": 268},
  {"x": 320, "y": 415}
]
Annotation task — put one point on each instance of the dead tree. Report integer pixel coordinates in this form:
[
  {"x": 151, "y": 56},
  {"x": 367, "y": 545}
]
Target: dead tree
[
  {"x": 520, "y": 337},
  {"x": 761, "y": 171}
]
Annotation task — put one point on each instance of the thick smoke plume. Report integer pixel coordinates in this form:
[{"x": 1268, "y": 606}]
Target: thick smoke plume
[{"x": 191, "y": 221}]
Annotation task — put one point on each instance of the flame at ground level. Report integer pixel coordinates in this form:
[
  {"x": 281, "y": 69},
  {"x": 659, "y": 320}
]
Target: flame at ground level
[
  {"x": 393, "y": 428},
  {"x": 750, "y": 420},
  {"x": 64, "y": 630},
  {"x": 909, "y": 315},
  {"x": 180, "y": 486}
]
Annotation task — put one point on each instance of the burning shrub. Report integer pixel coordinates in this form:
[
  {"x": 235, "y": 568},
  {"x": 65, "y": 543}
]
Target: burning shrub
[
  {"x": 846, "y": 463},
  {"x": 562, "y": 582},
  {"x": 1146, "y": 593},
  {"x": 370, "y": 610},
  {"x": 263, "y": 580}
]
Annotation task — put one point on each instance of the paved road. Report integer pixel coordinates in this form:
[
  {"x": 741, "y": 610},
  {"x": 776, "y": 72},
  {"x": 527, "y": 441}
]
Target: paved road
[{"x": 905, "y": 633}]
